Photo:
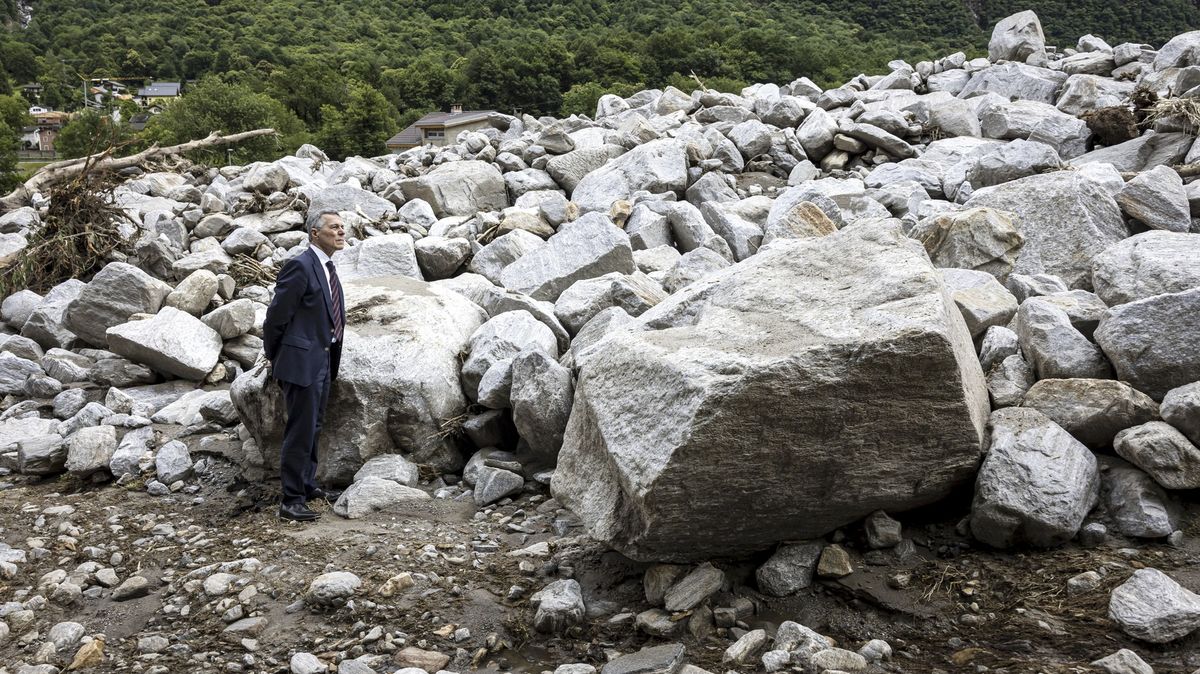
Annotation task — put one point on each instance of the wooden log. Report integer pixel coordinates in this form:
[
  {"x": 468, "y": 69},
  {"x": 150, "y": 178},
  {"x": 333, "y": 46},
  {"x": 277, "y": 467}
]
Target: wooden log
[
  {"x": 57, "y": 172},
  {"x": 1184, "y": 171}
]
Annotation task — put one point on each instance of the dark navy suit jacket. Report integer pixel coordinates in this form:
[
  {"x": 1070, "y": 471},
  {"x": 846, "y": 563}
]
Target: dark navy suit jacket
[{"x": 298, "y": 328}]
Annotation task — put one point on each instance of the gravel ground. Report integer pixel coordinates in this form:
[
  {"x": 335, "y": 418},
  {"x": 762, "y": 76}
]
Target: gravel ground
[{"x": 949, "y": 606}]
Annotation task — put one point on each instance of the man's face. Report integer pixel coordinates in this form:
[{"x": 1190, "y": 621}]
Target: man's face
[{"x": 332, "y": 234}]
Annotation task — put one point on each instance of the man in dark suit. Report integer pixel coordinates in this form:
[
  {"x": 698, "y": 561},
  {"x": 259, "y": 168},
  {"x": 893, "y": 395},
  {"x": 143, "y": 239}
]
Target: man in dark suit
[{"x": 302, "y": 338}]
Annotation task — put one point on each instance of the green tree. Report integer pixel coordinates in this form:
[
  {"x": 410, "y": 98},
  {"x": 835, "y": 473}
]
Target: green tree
[
  {"x": 214, "y": 105},
  {"x": 432, "y": 81},
  {"x": 90, "y": 132},
  {"x": 14, "y": 114},
  {"x": 14, "y": 111},
  {"x": 10, "y": 177},
  {"x": 581, "y": 98},
  {"x": 19, "y": 60},
  {"x": 305, "y": 87},
  {"x": 360, "y": 126}
]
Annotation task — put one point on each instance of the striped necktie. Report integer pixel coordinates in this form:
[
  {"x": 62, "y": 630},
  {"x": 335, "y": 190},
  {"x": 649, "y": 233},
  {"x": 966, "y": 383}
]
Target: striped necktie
[{"x": 335, "y": 293}]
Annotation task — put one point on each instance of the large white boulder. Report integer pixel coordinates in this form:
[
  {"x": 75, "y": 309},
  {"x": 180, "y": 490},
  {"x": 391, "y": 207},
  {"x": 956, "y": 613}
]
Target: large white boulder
[
  {"x": 459, "y": 188},
  {"x": 171, "y": 342},
  {"x": 387, "y": 255},
  {"x": 589, "y": 247},
  {"x": 115, "y": 293},
  {"x": 766, "y": 387},
  {"x": 657, "y": 166},
  {"x": 1017, "y": 37},
  {"x": 1067, "y": 220},
  {"x": 397, "y": 387}
]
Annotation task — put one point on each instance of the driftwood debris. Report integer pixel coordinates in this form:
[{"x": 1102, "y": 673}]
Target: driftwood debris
[
  {"x": 59, "y": 172},
  {"x": 1185, "y": 171}
]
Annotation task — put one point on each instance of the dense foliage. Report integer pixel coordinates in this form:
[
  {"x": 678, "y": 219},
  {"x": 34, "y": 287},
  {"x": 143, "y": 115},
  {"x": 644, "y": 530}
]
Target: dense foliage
[
  {"x": 396, "y": 59},
  {"x": 13, "y": 115}
]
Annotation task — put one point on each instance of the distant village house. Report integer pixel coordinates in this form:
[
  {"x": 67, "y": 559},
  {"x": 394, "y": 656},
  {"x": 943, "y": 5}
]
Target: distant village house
[
  {"x": 40, "y": 136},
  {"x": 156, "y": 96},
  {"x": 438, "y": 129}
]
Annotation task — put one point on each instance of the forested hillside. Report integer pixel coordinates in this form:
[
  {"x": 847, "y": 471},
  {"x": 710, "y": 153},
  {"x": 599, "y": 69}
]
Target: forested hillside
[{"x": 404, "y": 57}]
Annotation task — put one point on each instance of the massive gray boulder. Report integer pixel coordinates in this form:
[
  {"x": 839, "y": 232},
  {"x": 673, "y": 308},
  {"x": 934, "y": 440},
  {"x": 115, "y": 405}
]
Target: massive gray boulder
[
  {"x": 193, "y": 293},
  {"x": 740, "y": 223},
  {"x": 115, "y": 293},
  {"x": 459, "y": 188},
  {"x": 1147, "y": 264},
  {"x": 733, "y": 384},
  {"x": 1084, "y": 92},
  {"x": 1036, "y": 484},
  {"x": 1014, "y": 160},
  {"x": 14, "y": 371},
  {"x": 439, "y": 257},
  {"x": 371, "y": 494},
  {"x": 1152, "y": 342},
  {"x": 266, "y": 178},
  {"x": 589, "y": 247},
  {"x": 171, "y": 342},
  {"x": 491, "y": 260},
  {"x": 570, "y": 168},
  {"x": 41, "y": 454},
  {"x": 90, "y": 449},
  {"x": 693, "y": 266},
  {"x": 1181, "y": 51},
  {"x": 635, "y": 293},
  {"x": 815, "y": 134},
  {"x": 501, "y": 339},
  {"x": 658, "y": 166},
  {"x": 397, "y": 387},
  {"x": 17, "y": 307},
  {"x": 233, "y": 319},
  {"x": 1066, "y": 219}
]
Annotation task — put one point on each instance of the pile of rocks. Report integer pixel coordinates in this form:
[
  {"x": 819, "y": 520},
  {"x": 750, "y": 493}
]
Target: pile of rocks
[{"x": 789, "y": 307}]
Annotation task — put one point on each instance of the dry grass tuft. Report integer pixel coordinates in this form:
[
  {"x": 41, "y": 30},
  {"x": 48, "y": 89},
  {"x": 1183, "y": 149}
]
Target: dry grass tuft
[{"x": 1186, "y": 110}]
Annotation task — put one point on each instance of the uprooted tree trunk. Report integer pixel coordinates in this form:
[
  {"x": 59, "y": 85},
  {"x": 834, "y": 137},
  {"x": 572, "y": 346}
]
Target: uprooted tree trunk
[{"x": 62, "y": 171}]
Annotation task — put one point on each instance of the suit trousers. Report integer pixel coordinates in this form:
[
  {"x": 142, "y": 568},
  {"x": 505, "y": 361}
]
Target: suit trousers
[{"x": 298, "y": 455}]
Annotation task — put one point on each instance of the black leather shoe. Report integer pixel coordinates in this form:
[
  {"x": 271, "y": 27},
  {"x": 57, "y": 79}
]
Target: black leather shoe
[
  {"x": 297, "y": 512},
  {"x": 329, "y": 495}
]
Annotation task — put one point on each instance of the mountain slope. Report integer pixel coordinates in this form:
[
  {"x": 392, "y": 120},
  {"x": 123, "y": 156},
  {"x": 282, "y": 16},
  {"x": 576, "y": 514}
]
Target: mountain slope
[{"x": 538, "y": 56}]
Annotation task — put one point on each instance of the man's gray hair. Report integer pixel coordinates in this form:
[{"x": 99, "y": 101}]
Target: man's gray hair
[{"x": 315, "y": 218}]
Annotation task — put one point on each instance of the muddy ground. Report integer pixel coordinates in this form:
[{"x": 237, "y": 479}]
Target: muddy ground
[{"x": 951, "y": 606}]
